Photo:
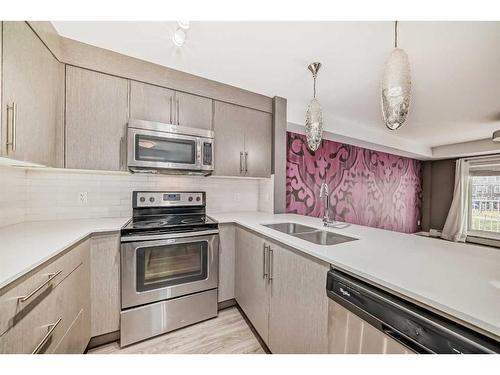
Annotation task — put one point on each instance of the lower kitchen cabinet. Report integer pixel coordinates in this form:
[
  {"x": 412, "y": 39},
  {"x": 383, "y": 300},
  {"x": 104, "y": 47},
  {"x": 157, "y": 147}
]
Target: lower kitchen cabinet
[
  {"x": 105, "y": 284},
  {"x": 283, "y": 294},
  {"x": 252, "y": 288},
  {"x": 349, "y": 334},
  {"x": 227, "y": 233},
  {"x": 48, "y": 322},
  {"x": 298, "y": 315}
]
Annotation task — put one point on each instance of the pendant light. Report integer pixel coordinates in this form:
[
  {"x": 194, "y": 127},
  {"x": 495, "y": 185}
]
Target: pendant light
[
  {"x": 396, "y": 86},
  {"x": 314, "y": 117}
]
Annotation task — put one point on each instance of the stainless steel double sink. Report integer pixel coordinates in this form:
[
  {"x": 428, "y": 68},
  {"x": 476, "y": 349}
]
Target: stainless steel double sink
[{"x": 310, "y": 234}]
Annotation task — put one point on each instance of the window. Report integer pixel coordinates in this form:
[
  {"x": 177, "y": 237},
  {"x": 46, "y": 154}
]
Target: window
[{"x": 484, "y": 201}]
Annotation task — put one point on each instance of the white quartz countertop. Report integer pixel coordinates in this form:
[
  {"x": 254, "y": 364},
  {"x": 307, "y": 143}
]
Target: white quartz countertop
[
  {"x": 458, "y": 280},
  {"x": 25, "y": 246}
]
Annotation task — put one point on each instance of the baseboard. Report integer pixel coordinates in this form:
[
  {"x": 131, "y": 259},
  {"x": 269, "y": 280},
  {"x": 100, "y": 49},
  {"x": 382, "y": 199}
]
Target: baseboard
[
  {"x": 254, "y": 331},
  {"x": 226, "y": 304},
  {"x": 103, "y": 339}
]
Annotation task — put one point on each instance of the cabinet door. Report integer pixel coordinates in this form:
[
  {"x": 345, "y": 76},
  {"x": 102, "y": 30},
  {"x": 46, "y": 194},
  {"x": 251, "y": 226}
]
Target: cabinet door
[
  {"x": 226, "y": 261},
  {"x": 33, "y": 79},
  {"x": 258, "y": 143},
  {"x": 251, "y": 287},
  {"x": 298, "y": 317},
  {"x": 229, "y": 128},
  {"x": 105, "y": 284},
  {"x": 151, "y": 103},
  {"x": 193, "y": 111},
  {"x": 96, "y": 120}
]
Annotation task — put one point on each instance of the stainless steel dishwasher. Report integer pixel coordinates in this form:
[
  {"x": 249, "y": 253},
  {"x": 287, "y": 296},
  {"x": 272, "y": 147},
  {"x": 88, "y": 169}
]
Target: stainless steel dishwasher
[{"x": 418, "y": 329}]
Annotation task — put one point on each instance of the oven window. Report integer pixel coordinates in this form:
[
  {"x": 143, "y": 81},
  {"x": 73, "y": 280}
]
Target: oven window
[
  {"x": 168, "y": 265},
  {"x": 165, "y": 150}
]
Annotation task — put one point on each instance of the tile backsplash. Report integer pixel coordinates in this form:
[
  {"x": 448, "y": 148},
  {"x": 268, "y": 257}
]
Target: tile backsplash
[{"x": 50, "y": 194}]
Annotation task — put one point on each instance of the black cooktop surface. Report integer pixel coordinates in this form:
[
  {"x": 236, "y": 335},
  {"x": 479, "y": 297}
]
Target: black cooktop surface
[{"x": 152, "y": 224}]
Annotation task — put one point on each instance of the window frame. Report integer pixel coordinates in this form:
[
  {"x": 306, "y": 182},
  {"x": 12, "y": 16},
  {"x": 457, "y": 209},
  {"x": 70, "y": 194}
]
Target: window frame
[{"x": 483, "y": 237}]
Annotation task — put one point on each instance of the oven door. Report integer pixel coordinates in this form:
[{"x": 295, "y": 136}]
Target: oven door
[
  {"x": 158, "y": 150},
  {"x": 161, "y": 269}
]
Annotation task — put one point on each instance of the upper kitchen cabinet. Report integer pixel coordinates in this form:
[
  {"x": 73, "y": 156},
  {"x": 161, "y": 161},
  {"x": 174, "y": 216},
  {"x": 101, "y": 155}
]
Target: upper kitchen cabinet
[
  {"x": 243, "y": 141},
  {"x": 32, "y": 98},
  {"x": 155, "y": 103},
  {"x": 151, "y": 103},
  {"x": 96, "y": 120},
  {"x": 193, "y": 111}
]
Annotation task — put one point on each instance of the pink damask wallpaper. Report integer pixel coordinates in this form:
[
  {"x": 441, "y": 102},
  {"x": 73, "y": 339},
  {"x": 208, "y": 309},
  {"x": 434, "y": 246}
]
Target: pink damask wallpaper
[{"x": 366, "y": 187}]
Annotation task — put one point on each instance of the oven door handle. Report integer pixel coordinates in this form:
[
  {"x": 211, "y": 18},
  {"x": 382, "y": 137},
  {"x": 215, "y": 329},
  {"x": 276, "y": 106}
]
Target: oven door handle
[{"x": 168, "y": 236}]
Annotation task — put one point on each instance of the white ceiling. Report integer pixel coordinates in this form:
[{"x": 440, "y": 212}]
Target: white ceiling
[{"x": 455, "y": 70}]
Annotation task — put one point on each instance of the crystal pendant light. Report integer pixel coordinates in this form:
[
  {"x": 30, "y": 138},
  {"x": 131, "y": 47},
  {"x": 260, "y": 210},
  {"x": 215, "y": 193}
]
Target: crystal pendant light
[
  {"x": 314, "y": 117},
  {"x": 396, "y": 86}
]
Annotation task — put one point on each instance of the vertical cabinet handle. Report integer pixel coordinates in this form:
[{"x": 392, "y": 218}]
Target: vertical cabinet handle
[
  {"x": 46, "y": 338},
  {"x": 271, "y": 264},
  {"x": 171, "y": 108},
  {"x": 11, "y": 126},
  {"x": 177, "y": 117},
  {"x": 264, "y": 261},
  {"x": 241, "y": 162},
  {"x": 246, "y": 162},
  {"x": 121, "y": 153}
]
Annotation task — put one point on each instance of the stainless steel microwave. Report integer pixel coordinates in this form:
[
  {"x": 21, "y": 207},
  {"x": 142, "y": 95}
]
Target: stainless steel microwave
[{"x": 165, "y": 148}]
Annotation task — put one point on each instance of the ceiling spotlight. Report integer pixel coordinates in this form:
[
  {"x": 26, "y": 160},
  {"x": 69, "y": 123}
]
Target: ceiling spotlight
[
  {"x": 496, "y": 136},
  {"x": 183, "y": 24},
  {"x": 179, "y": 37}
]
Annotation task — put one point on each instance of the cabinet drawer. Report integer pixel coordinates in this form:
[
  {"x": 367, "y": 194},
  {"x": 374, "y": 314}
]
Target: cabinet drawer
[
  {"x": 74, "y": 340},
  {"x": 54, "y": 313},
  {"x": 13, "y": 310}
]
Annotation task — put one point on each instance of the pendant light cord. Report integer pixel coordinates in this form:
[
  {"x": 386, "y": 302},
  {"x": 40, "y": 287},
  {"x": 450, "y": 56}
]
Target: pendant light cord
[{"x": 395, "y": 34}]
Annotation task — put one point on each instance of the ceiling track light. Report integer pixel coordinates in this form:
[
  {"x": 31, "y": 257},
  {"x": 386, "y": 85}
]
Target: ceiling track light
[
  {"x": 183, "y": 24},
  {"x": 179, "y": 37}
]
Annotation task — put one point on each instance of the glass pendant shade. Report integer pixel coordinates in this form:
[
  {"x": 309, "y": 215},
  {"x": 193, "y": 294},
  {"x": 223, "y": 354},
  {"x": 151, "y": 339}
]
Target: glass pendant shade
[
  {"x": 396, "y": 89},
  {"x": 314, "y": 117},
  {"x": 314, "y": 125}
]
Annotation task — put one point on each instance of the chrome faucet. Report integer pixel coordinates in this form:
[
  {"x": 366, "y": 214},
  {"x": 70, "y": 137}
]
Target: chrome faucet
[{"x": 325, "y": 194}]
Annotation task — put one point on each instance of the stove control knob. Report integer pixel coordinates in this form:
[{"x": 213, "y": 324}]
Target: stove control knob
[
  {"x": 190, "y": 199},
  {"x": 198, "y": 199},
  {"x": 142, "y": 199},
  {"x": 151, "y": 199}
]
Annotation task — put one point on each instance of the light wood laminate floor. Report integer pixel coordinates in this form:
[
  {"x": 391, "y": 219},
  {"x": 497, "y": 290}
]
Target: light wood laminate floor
[{"x": 229, "y": 333}]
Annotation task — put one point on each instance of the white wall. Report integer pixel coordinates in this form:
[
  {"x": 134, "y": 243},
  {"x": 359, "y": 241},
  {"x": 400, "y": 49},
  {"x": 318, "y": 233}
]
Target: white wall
[{"x": 50, "y": 194}]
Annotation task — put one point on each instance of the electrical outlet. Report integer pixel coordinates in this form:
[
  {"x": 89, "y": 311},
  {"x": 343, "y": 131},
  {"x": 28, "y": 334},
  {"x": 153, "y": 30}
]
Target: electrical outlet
[
  {"x": 83, "y": 198},
  {"x": 237, "y": 197}
]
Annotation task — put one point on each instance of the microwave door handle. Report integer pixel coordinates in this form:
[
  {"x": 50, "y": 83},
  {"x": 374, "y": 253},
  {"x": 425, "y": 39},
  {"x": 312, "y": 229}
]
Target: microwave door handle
[{"x": 199, "y": 150}]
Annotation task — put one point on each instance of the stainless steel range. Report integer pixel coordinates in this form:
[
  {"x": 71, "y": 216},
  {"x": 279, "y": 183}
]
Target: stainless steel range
[{"x": 169, "y": 264}]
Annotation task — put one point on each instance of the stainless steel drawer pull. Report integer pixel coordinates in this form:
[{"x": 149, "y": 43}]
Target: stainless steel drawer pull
[
  {"x": 28, "y": 296},
  {"x": 241, "y": 161},
  {"x": 246, "y": 162},
  {"x": 47, "y": 336},
  {"x": 12, "y": 121}
]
